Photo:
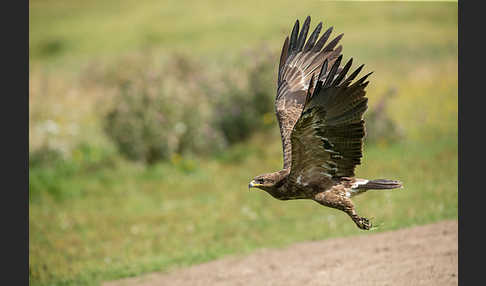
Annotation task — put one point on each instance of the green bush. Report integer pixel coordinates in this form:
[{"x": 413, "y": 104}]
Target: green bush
[
  {"x": 139, "y": 126},
  {"x": 236, "y": 116},
  {"x": 240, "y": 111},
  {"x": 380, "y": 127},
  {"x": 160, "y": 111},
  {"x": 183, "y": 106}
]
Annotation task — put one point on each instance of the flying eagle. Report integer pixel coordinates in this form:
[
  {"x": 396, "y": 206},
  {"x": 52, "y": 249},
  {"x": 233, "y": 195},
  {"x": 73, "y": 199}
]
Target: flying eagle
[{"x": 320, "y": 115}]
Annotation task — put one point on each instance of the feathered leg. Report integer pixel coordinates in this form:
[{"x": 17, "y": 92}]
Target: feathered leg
[{"x": 337, "y": 198}]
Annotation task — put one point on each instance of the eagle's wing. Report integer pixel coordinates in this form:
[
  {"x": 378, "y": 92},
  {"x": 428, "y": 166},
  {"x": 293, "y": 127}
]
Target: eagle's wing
[
  {"x": 298, "y": 61},
  {"x": 327, "y": 139}
]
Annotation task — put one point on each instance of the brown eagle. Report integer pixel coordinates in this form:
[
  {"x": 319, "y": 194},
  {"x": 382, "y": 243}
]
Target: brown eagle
[{"x": 320, "y": 115}]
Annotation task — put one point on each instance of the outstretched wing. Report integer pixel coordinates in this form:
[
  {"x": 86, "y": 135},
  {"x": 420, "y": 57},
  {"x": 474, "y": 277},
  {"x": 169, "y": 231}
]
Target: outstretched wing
[
  {"x": 327, "y": 139},
  {"x": 298, "y": 61}
]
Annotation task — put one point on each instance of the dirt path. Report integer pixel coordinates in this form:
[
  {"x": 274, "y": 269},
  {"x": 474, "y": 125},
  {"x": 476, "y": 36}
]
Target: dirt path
[{"x": 424, "y": 255}]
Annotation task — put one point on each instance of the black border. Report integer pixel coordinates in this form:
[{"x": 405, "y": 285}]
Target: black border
[
  {"x": 470, "y": 143},
  {"x": 15, "y": 142}
]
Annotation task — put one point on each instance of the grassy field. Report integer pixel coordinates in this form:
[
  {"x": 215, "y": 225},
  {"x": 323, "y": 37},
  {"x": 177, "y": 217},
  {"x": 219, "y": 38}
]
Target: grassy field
[{"x": 91, "y": 222}]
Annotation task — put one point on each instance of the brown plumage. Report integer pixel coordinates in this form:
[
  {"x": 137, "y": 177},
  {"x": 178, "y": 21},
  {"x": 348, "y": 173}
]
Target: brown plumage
[{"x": 320, "y": 115}]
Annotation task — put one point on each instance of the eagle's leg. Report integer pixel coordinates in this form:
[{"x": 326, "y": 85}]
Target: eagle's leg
[
  {"x": 361, "y": 222},
  {"x": 336, "y": 198}
]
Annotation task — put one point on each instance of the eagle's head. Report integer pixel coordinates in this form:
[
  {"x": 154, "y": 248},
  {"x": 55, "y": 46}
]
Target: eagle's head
[{"x": 267, "y": 182}]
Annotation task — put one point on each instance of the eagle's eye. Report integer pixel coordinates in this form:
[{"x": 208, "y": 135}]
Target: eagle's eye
[{"x": 260, "y": 181}]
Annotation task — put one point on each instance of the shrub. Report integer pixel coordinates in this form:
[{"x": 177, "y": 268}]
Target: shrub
[
  {"x": 380, "y": 127},
  {"x": 139, "y": 126},
  {"x": 235, "y": 115},
  {"x": 184, "y": 107},
  {"x": 157, "y": 113},
  {"x": 240, "y": 111}
]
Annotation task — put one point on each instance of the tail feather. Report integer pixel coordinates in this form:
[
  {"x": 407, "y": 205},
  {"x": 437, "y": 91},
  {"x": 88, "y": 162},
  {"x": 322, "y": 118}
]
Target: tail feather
[{"x": 380, "y": 184}]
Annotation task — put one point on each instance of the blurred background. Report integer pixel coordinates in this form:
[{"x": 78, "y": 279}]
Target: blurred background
[{"x": 147, "y": 119}]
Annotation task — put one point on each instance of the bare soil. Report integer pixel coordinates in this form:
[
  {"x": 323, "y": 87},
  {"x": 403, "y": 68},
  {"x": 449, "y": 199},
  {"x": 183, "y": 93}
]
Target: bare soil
[{"x": 422, "y": 255}]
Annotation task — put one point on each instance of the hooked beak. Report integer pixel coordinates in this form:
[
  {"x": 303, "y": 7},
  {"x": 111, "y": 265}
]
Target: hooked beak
[{"x": 253, "y": 184}]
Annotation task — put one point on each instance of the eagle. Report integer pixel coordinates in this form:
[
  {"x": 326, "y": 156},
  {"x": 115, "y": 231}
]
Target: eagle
[{"x": 320, "y": 114}]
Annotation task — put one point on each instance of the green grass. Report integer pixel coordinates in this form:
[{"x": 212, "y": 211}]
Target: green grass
[
  {"x": 97, "y": 217},
  {"x": 132, "y": 220}
]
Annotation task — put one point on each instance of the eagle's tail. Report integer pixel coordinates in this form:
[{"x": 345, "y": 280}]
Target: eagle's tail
[{"x": 380, "y": 184}]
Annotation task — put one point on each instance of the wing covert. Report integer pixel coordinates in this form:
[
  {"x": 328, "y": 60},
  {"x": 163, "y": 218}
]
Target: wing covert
[{"x": 327, "y": 139}]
